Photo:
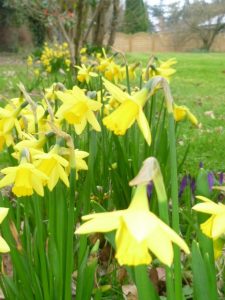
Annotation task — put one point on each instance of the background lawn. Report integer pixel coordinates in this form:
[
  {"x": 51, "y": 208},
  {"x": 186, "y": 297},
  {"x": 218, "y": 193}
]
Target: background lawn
[{"x": 198, "y": 83}]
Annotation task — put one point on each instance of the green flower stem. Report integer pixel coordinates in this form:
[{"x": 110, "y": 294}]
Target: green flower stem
[
  {"x": 145, "y": 288},
  {"x": 41, "y": 246},
  {"x": 164, "y": 215},
  {"x": 128, "y": 79},
  {"x": 70, "y": 235},
  {"x": 175, "y": 206}
]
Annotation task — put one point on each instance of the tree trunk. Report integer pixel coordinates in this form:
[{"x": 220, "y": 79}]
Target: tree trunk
[
  {"x": 79, "y": 27},
  {"x": 114, "y": 23},
  {"x": 100, "y": 29}
]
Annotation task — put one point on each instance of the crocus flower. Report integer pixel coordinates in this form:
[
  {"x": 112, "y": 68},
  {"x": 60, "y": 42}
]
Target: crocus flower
[
  {"x": 77, "y": 109},
  {"x": 130, "y": 110},
  {"x": 4, "y": 248},
  {"x": 137, "y": 231},
  {"x": 26, "y": 179}
]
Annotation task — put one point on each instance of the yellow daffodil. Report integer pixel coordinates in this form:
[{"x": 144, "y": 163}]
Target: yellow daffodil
[
  {"x": 113, "y": 72},
  {"x": 84, "y": 73},
  {"x": 27, "y": 121},
  {"x": 6, "y": 138},
  {"x": 30, "y": 142},
  {"x": 160, "y": 68},
  {"x": 77, "y": 109},
  {"x": 9, "y": 119},
  {"x": 129, "y": 111},
  {"x": 52, "y": 165},
  {"x": 79, "y": 159},
  {"x": 4, "y": 247},
  {"x": 30, "y": 60},
  {"x": 137, "y": 231},
  {"x": 183, "y": 112},
  {"x": 25, "y": 178},
  {"x": 214, "y": 227}
]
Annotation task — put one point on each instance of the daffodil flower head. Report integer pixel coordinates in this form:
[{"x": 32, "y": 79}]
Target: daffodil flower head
[
  {"x": 4, "y": 247},
  {"x": 214, "y": 227},
  {"x": 129, "y": 111},
  {"x": 77, "y": 109},
  {"x": 85, "y": 74},
  {"x": 53, "y": 166},
  {"x": 182, "y": 112},
  {"x": 137, "y": 231},
  {"x": 80, "y": 163},
  {"x": 25, "y": 179}
]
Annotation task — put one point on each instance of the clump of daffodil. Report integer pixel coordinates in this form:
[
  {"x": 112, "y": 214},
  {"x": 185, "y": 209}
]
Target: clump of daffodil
[
  {"x": 129, "y": 111},
  {"x": 84, "y": 74},
  {"x": 214, "y": 226},
  {"x": 53, "y": 166},
  {"x": 137, "y": 231},
  {"x": 77, "y": 109},
  {"x": 4, "y": 247},
  {"x": 24, "y": 178},
  {"x": 182, "y": 112},
  {"x": 52, "y": 59}
]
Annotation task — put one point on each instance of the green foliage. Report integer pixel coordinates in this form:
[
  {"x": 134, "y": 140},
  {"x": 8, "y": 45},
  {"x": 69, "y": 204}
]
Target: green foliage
[{"x": 136, "y": 17}]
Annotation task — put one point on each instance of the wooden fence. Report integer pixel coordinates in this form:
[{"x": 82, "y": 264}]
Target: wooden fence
[{"x": 163, "y": 42}]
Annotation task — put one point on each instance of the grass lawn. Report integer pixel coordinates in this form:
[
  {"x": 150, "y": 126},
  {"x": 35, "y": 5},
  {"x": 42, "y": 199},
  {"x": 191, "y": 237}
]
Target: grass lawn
[{"x": 198, "y": 83}]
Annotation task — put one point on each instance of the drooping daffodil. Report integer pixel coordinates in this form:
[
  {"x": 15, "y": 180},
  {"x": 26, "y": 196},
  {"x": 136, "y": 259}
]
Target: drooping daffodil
[
  {"x": 182, "y": 112},
  {"x": 137, "y": 231},
  {"x": 129, "y": 111}
]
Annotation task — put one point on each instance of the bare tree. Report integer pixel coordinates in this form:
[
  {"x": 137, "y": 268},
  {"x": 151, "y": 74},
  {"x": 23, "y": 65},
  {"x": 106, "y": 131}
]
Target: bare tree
[{"x": 199, "y": 19}]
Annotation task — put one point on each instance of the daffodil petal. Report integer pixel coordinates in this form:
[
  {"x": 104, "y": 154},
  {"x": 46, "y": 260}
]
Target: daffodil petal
[
  {"x": 160, "y": 244},
  {"x": 119, "y": 95},
  {"x": 93, "y": 121},
  {"x": 79, "y": 128},
  {"x": 175, "y": 238},
  {"x": 7, "y": 180},
  {"x": 63, "y": 176},
  {"x": 144, "y": 126},
  {"x": 3, "y": 213},
  {"x": 101, "y": 222},
  {"x": 218, "y": 226},
  {"x": 209, "y": 208},
  {"x": 37, "y": 185},
  {"x": 4, "y": 247}
]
